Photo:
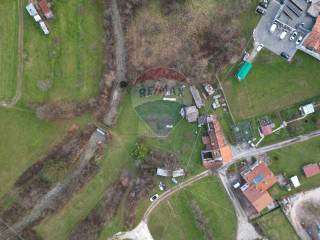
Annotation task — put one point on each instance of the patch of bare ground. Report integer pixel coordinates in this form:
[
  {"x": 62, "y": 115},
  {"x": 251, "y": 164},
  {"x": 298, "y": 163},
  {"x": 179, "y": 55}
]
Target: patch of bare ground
[
  {"x": 90, "y": 227},
  {"x": 144, "y": 181},
  {"x": 186, "y": 35},
  {"x": 201, "y": 221}
]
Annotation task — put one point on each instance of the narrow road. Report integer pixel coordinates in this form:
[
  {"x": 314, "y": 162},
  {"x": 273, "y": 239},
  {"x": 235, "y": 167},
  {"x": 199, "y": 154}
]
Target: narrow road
[
  {"x": 18, "y": 93},
  {"x": 244, "y": 226}
]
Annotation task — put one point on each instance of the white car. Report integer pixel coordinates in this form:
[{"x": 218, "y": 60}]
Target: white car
[
  {"x": 293, "y": 35},
  {"x": 154, "y": 197},
  {"x": 299, "y": 40},
  {"x": 259, "y": 48},
  {"x": 273, "y": 27},
  {"x": 283, "y": 35}
]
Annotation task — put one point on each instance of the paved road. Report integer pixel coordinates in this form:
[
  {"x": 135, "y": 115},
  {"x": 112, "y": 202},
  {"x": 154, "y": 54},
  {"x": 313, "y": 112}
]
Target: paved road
[{"x": 244, "y": 226}]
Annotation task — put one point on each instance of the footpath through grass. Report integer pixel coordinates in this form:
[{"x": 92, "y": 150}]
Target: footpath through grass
[
  {"x": 178, "y": 218},
  {"x": 8, "y": 48},
  {"x": 66, "y": 64},
  {"x": 130, "y": 128},
  {"x": 276, "y": 226},
  {"x": 290, "y": 161}
]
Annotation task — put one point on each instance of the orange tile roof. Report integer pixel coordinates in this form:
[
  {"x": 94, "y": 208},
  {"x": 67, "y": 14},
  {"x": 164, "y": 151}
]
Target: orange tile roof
[
  {"x": 267, "y": 179},
  {"x": 313, "y": 40},
  {"x": 226, "y": 154},
  {"x": 311, "y": 170},
  {"x": 258, "y": 198}
]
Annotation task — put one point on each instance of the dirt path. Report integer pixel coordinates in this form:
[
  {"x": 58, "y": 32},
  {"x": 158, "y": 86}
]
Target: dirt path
[
  {"x": 18, "y": 93},
  {"x": 295, "y": 210},
  {"x": 52, "y": 200},
  {"x": 121, "y": 64}
]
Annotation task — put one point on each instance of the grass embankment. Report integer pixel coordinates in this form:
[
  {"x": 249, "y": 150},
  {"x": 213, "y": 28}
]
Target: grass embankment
[
  {"x": 177, "y": 219},
  {"x": 276, "y": 226},
  {"x": 9, "y": 48},
  {"x": 182, "y": 141},
  {"x": 66, "y": 64},
  {"x": 23, "y": 139},
  {"x": 290, "y": 161},
  {"x": 272, "y": 85}
]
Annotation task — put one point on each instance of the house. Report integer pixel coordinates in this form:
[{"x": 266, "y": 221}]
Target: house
[
  {"x": 258, "y": 198},
  {"x": 218, "y": 151},
  {"x": 295, "y": 181},
  {"x": 307, "y": 109},
  {"x": 266, "y": 129},
  {"x": 43, "y": 4},
  {"x": 37, "y": 18},
  {"x": 31, "y": 10},
  {"x": 191, "y": 113},
  {"x": 196, "y": 97},
  {"x": 258, "y": 179},
  {"x": 311, "y": 170},
  {"x": 312, "y": 41}
]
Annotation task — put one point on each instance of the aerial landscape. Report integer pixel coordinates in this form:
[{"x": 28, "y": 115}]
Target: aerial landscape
[{"x": 160, "y": 120}]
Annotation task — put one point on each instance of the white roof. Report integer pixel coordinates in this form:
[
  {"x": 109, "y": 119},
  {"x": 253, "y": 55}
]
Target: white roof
[
  {"x": 163, "y": 172},
  {"x": 295, "y": 181},
  {"x": 308, "y": 109},
  {"x": 31, "y": 9},
  {"x": 44, "y": 27},
  {"x": 178, "y": 173},
  {"x": 37, "y": 18}
]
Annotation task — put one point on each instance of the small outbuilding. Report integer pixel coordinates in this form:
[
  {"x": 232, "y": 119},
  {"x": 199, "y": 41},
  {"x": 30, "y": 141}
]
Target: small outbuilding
[
  {"x": 244, "y": 71},
  {"x": 295, "y": 181},
  {"x": 31, "y": 10},
  {"x": 191, "y": 113},
  {"x": 311, "y": 170},
  {"x": 44, "y": 6},
  {"x": 307, "y": 109}
]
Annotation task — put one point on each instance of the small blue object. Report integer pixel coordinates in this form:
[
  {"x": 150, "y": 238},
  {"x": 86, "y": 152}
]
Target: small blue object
[
  {"x": 258, "y": 179},
  {"x": 31, "y": 10}
]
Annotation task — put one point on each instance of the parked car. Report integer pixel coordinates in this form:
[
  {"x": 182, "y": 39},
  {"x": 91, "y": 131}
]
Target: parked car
[
  {"x": 154, "y": 197},
  {"x": 261, "y": 10},
  {"x": 283, "y": 35},
  {"x": 273, "y": 27},
  {"x": 174, "y": 180},
  {"x": 259, "y": 48},
  {"x": 285, "y": 55},
  {"x": 293, "y": 35},
  {"x": 299, "y": 40}
]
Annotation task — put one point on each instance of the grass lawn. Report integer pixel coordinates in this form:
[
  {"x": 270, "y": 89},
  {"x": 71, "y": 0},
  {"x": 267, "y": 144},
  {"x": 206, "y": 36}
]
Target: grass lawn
[
  {"x": 176, "y": 219},
  {"x": 66, "y": 64},
  {"x": 129, "y": 129},
  {"x": 272, "y": 84},
  {"x": 8, "y": 50},
  {"x": 275, "y": 226},
  {"x": 159, "y": 114},
  {"x": 290, "y": 161},
  {"x": 23, "y": 139}
]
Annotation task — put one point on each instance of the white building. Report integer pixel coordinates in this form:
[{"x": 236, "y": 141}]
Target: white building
[
  {"x": 44, "y": 27},
  {"x": 31, "y": 10},
  {"x": 307, "y": 109},
  {"x": 295, "y": 181}
]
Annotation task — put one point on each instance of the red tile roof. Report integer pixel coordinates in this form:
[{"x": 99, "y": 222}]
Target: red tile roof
[
  {"x": 311, "y": 170},
  {"x": 258, "y": 198},
  {"x": 261, "y": 176},
  {"x": 313, "y": 40},
  {"x": 266, "y": 130},
  {"x": 44, "y": 6}
]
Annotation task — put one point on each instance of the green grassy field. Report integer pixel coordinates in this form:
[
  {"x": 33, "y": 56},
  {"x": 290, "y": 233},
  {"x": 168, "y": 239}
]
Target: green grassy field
[
  {"x": 8, "y": 49},
  {"x": 275, "y": 226},
  {"x": 272, "y": 85},
  {"x": 66, "y": 64},
  {"x": 117, "y": 157},
  {"x": 23, "y": 139},
  {"x": 290, "y": 161},
  {"x": 176, "y": 219}
]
